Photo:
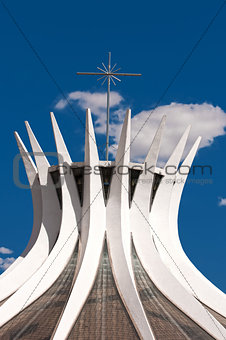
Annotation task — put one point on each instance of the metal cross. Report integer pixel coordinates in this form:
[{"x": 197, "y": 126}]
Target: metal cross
[{"x": 108, "y": 73}]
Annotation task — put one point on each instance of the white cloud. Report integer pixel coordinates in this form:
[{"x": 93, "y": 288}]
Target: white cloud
[
  {"x": 4, "y": 250},
  {"x": 222, "y": 202},
  {"x": 206, "y": 120},
  {"x": 5, "y": 263},
  {"x": 61, "y": 104}
]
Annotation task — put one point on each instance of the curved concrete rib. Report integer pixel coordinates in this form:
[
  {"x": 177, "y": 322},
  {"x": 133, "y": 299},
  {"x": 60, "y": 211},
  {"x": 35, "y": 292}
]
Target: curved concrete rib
[
  {"x": 93, "y": 223},
  {"x": 92, "y": 189},
  {"x": 63, "y": 154},
  {"x": 140, "y": 206},
  {"x": 62, "y": 251},
  {"x": 64, "y": 158},
  {"x": 50, "y": 204},
  {"x": 119, "y": 238},
  {"x": 175, "y": 158},
  {"x": 33, "y": 180},
  {"x": 51, "y": 217},
  {"x": 142, "y": 193},
  {"x": 157, "y": 270},
  {"x": 159, "y": 215},
  {"x": 206, "y": 292}
]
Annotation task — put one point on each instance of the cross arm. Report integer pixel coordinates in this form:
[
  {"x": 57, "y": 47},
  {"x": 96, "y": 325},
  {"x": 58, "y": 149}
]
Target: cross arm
[{"x": 108, "y": 74}]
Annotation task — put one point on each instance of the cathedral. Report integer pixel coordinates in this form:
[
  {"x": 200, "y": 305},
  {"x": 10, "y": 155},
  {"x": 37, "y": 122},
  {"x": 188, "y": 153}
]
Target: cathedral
[{"x": 104, "y": 260}]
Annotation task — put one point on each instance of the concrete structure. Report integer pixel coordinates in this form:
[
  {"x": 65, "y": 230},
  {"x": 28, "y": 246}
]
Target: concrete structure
[{"x": 105, "y": 260}]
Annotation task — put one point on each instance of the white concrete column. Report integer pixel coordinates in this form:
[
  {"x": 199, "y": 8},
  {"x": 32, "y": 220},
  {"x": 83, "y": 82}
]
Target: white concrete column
[
  {"x": 51, "y": 218},
  {"x": 93, "y": 223},
  {"x": 159, "y": 215},
  {"x": 157, "y": 270},
  {"x": 119, "y": 235},
  {"x": 33, "y": 180},
  {"x": 63, "y": 249},
  {"x": 198, "y": 284}
]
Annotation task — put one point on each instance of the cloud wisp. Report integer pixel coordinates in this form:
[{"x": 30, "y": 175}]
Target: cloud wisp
[
  {"x": 206, "y": 120},
  {"x": 221, "y": 202},
  {"x": 5, "y": 263},
  {"x": 4, "y": 250}
]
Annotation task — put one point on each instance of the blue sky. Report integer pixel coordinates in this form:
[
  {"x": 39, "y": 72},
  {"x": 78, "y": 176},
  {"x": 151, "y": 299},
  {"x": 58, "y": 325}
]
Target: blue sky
[{"x": 149, "y": 37}]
